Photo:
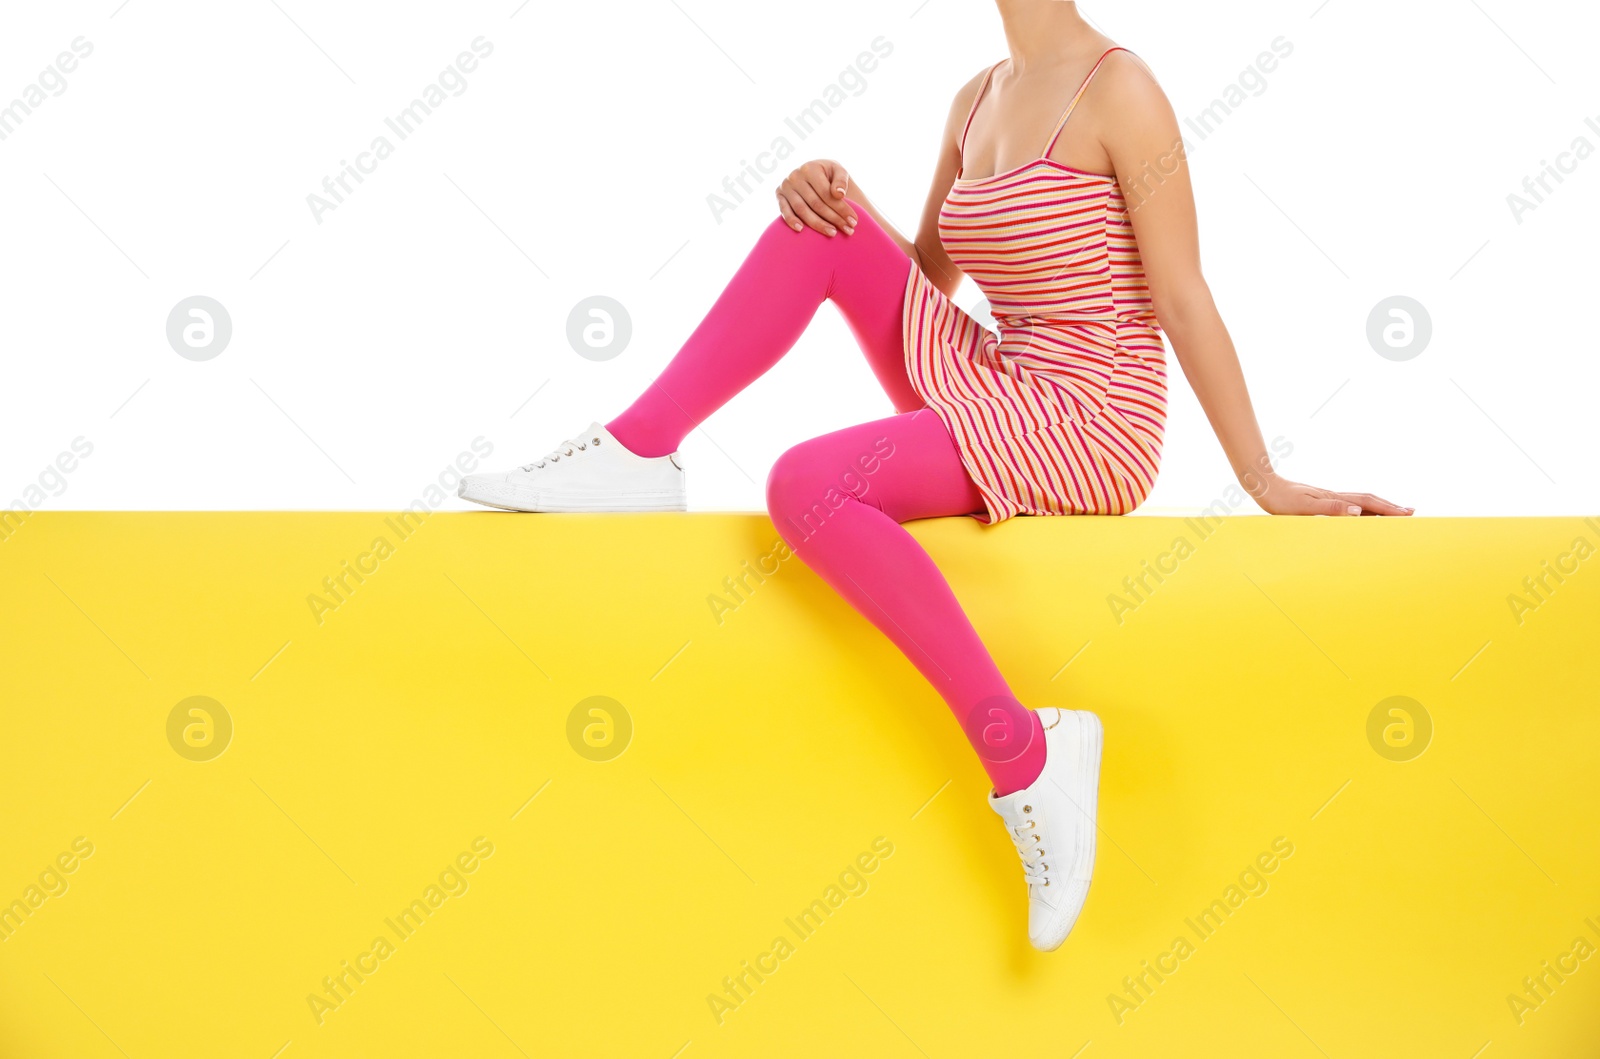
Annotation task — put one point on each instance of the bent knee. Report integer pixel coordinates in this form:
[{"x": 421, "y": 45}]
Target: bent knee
[
  {"x": 801, "y": 493},
  {"x": 809, "y": 484},
  {"x": 793, "y": 479},
  {"x": 865, "y": 226}
]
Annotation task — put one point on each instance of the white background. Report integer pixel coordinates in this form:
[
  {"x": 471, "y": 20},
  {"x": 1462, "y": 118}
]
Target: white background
[{"x": 372, "y": 348}]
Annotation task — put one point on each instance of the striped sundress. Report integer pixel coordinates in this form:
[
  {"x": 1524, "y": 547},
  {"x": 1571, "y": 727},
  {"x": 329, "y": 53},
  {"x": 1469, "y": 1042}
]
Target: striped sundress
[{"x": 1062, "y": 412}]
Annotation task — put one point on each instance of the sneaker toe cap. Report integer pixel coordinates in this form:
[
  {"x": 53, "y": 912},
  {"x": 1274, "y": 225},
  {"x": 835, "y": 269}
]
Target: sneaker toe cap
[
  {"x": 496, "y": 490},
  {"x": 1050, "y": 921},
  {"x": 472, "y": 482}
]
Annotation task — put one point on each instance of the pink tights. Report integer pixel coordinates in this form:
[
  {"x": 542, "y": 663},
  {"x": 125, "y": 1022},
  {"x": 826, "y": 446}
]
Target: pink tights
[{"x": 838, "y": 500}]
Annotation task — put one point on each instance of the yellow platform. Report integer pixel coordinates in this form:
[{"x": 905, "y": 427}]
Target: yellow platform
[{"x": 1350, "y": 805}]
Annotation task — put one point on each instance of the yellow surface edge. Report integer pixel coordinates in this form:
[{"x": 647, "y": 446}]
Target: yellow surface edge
[{"x": 420, "y": 721}]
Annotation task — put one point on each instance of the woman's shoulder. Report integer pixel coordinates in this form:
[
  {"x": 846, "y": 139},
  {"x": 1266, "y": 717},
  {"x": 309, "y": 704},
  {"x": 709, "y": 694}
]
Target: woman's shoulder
[
  {"x": 1125, "y": 87},
  {"x": 1126, "y": 73},
  {"x": 967, "y": 94},
  {"x": 1119, "y": 63},
  {"x": 974, "y": 84},
  {"x": 1127, "y": 111}
]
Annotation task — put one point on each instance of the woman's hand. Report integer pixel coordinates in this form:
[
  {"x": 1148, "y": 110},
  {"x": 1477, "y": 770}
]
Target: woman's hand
[
  {"x": 813, "y": 195},
  {"x": 1283, "y": 497}
]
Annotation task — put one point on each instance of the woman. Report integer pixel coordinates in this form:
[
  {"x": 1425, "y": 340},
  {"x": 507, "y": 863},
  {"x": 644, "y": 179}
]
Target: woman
[{"x": 1087, "y": 251}]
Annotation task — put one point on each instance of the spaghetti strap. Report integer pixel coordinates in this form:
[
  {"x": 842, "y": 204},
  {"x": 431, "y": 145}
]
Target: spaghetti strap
[
  {"x": 1062, "y": 124},
  {"x": 983, "y": 90}
]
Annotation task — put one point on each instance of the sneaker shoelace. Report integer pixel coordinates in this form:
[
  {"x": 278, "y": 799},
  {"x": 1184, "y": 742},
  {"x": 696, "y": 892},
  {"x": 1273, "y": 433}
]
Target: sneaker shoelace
[
  {"x": 1027, "y": 839},
  {"x": 566, "y": 448}
]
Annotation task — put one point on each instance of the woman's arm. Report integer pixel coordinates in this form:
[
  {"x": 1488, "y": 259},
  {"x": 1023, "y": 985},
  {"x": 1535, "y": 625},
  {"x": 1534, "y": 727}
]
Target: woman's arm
[
  {"x": 815, "y": 196},
  {"x": 1139, "y": 131}
]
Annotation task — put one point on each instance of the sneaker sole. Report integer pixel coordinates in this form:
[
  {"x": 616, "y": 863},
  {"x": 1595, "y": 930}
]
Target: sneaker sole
[
  {"x": 512, "y": 499},
  {"x": 1091, "y": 743},
  {"x": 1090, "y": 746}
]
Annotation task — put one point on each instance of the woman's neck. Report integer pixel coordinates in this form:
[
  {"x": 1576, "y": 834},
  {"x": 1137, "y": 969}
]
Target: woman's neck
[{"x": 1043, "y": 32}]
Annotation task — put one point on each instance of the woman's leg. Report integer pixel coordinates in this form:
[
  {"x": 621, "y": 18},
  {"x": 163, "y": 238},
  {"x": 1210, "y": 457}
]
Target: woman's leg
[
  {"x": 762, "y": 313},
  {"x": 838, "y": 501}
]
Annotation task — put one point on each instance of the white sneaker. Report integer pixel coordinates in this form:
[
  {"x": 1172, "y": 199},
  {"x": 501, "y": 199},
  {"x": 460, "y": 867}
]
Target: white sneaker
[
  {"x": 1052, "y": 822},
  {"x": 591, "y": 472}
]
